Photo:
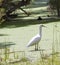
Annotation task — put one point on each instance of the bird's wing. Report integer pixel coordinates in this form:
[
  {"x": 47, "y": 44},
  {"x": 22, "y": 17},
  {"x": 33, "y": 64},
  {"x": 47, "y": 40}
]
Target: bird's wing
[{"x": 34, "y": 40}]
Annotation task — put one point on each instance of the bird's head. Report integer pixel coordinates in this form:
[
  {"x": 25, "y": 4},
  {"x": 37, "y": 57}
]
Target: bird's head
[{"x": 42, "y": 26}]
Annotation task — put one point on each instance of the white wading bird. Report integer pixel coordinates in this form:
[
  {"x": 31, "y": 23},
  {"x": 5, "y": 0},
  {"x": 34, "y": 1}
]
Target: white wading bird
[{"x": 35, "y": 40}]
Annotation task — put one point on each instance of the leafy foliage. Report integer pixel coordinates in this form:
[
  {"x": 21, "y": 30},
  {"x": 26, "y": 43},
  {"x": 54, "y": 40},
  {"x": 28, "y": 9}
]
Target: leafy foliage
[{"x": 55, "y": 5}]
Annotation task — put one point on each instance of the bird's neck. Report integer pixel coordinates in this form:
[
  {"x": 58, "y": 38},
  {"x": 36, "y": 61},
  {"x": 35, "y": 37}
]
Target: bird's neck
[{"x": 40, "y": 32}]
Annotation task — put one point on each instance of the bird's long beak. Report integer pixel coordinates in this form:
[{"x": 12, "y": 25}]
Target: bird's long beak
[{"x": 44, "y": 26}]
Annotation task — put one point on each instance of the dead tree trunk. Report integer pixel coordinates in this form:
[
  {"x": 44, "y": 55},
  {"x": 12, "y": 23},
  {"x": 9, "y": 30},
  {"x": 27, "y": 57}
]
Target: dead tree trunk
[{"x": 12, "y": 7}]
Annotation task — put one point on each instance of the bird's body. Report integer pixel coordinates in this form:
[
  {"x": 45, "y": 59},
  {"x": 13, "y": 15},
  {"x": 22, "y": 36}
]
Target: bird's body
[{"x": 35, "y": 40}]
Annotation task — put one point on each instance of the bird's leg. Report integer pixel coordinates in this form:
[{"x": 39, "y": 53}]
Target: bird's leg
[{"x": 36, "y": 47}]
